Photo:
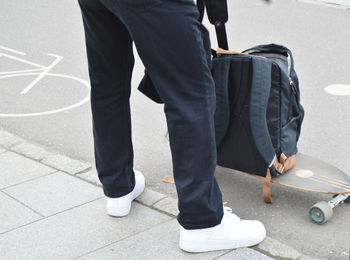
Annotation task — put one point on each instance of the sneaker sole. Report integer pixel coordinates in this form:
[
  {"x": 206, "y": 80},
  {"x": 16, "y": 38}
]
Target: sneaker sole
[
  {"x": 205, "y": 246},
  {"x": 124, "y": 212},
  {"x": 121, "y": 213}
]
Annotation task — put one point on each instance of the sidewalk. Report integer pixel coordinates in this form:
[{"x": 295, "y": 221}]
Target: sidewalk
[{"x": 53, "y": 207}]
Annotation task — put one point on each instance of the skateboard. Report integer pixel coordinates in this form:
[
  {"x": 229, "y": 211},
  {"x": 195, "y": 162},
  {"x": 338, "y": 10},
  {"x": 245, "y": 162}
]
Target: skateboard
[{"x": 311, "y": 174}]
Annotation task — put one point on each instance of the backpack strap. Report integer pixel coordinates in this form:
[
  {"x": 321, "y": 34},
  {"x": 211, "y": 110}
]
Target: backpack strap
[
  {"x": 278, "y": 169},
  {"x": 218, "y": 16},
  {"x": 259, "y": 95},
  {"x": 289, "y": 162},
  {"x": 286, "y": 164},
  {"x": 268, "y": 197},
  {"x": 201, "y": 6}
]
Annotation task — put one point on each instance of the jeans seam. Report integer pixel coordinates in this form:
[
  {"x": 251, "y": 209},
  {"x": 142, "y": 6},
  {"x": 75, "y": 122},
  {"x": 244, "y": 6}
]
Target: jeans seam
[{"x": 126, "y": 110}]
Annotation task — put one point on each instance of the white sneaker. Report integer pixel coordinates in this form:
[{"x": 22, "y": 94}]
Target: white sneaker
[
  {"x": 119, "y": 207},
  {"x": 231, "y": 233}
]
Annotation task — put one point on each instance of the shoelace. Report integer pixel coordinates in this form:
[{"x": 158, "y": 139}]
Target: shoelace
[
  {"x": 232, "y": 217},
  {"x": 228, "y": 209}
]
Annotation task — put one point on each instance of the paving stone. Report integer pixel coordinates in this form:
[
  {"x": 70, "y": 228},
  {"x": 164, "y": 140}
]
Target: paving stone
[
  {"x": 7, "y": 140},
  {"x": 16, "y": 169},
  {"x": 65, "y": 163},
  {"x": 305, "y": 257},
  {"x": 54, "y": 193},
  {"x": 277, "y": 249},
  {"x": 2, "y": 150},
  {"x": 90, "y": 176},
  {"x": 168, "y": 205},
  {"x": 32, "y": 151},
  {"x": 244, "y": 254},
  {"x": 160, "y": 242},
  {"x": 149, "y": 197},
  {"x": 75, "y": 232},
  {"x": 13, "y": 214}
]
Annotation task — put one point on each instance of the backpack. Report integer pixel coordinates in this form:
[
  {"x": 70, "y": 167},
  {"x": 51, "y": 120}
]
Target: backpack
[{"x": 258, "y": 113}]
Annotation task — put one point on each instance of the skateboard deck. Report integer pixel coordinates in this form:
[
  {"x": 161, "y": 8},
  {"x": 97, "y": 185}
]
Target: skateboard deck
[{"x": 311, "y": 174}]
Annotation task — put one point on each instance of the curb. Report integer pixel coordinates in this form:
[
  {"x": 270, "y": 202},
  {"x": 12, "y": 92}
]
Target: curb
[{"x": 152, "y": 199}]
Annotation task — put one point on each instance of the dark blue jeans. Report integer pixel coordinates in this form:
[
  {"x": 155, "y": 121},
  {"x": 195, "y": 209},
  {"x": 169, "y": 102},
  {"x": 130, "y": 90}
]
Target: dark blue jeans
[{"x": 169, "y": 43}]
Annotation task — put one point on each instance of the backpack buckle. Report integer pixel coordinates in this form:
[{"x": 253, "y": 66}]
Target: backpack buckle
[{"x": 279, "y": 167}]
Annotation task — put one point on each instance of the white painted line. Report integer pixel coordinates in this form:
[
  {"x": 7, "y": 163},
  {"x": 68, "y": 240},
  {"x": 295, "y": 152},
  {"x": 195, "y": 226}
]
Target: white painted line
[
  {"x": 12, "y": 50},
  {"x": 43, "y": 74},
  {"x": 22, "y": 60},
  {"x": 84, "y": 100},
  {"x": 18, "y": 71},
  {"x": 333, "y": 4},
  {"x": 337, "y": 2},
  {"x": 338, "y": 89}
]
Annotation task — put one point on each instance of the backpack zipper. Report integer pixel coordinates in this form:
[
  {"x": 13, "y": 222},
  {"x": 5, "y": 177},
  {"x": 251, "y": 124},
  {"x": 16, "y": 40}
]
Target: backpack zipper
[{"x": 292, "y": 93}]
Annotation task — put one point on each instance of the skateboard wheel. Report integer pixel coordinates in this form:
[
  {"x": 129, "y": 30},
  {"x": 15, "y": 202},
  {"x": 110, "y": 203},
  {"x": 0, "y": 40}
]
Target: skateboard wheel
[{"x": 321, "y": 212}]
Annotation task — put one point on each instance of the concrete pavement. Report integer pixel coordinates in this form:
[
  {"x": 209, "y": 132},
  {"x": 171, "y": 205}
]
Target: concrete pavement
[{"x": 52, "y": 207}]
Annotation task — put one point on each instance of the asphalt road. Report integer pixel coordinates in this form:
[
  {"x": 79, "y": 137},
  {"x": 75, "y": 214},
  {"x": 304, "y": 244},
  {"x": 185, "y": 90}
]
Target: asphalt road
[{"x": 319, "y": 37}]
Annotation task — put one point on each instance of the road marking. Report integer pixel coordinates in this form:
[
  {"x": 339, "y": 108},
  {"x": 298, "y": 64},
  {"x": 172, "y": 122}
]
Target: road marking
[
  {"x": 341, "y": 4},
  {"x": 22, "y": 60},
  {"x": 43, "y": 74},
  {"x": 337, "y": 2},
  {"x": 12, "y": 50},
  {"x": 40, "y": 71},
  {"x": 84, "y": 100},
  {"x": 18, "y": 71},
  {"x": 338, "y": 89}
]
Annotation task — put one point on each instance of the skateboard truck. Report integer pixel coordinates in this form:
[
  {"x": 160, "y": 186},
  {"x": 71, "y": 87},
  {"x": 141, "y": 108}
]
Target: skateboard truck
[{"x": 322, "y": 211}]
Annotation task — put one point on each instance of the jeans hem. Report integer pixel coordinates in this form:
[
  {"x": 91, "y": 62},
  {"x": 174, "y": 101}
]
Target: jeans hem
[
  {"x": 203, "y": 225},
  {"x": 117, "y": 192}
]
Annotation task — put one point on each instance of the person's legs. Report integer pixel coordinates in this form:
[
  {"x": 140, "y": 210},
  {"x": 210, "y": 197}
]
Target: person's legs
[
  {"x": 111, "y": 61},
  {"x": 167, "y": 37},
  {"x": 168, "y": 40}
]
